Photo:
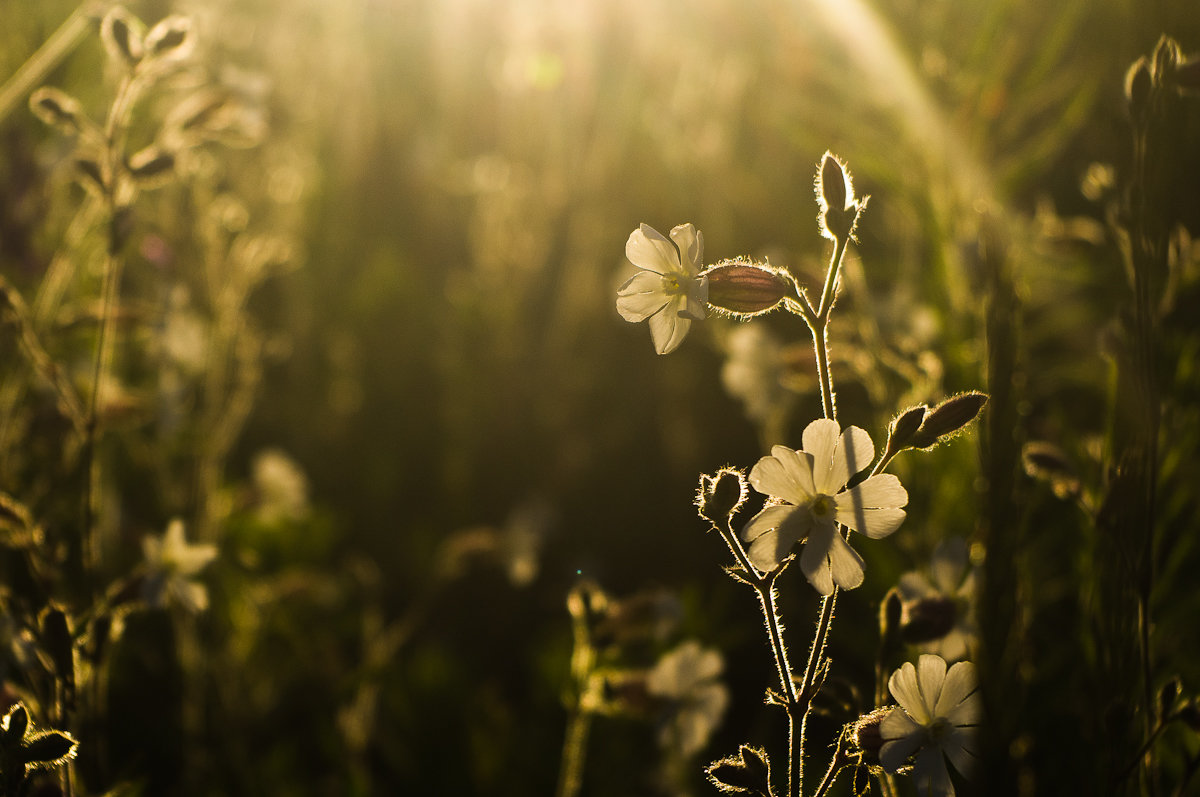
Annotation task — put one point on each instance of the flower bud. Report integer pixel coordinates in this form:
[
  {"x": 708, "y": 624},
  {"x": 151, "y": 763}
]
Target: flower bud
[
  {"x": 721, "y": 494},
  {"x": 744, "y": 288},
  {"x": 1138, "y": 85},
  {"x": 947, "y": 418},
  {"x": 903, "y": 428},
  {"x": 866, "y": 736},
  {"x": 1166, "y": 60}
]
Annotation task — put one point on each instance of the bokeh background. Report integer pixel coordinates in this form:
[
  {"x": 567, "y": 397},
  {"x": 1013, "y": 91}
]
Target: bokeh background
[{"x": 470, "y": 429}]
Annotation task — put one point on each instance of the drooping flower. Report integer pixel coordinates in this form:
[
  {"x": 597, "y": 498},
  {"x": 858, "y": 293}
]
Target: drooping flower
[
  {"x": 809, "y": 502},
  {"x": 936, "y": 719},
  {"x": 668, "y": 291},
  {"x": 939, "y": 605},
  {"x": 688, "y": 677},
  {"x": 171, "y": 567}
]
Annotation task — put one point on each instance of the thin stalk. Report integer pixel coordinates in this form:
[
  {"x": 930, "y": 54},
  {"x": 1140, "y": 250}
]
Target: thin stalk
[
  {"x": 579, "y": 721},
  {"x": 764, "y": 587},
  {"x": 60, "y": 44}
]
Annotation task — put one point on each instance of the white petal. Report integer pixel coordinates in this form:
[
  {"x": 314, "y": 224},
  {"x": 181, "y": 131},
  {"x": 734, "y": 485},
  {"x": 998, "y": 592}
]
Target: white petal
[
  {"x": 785, "y": 474},
  {"x": 820, "y": 440},
  {"x": 874, "y": 523},
  {"x": 643, "y": 295},
  {"x": 882, "y": 491},
  {"x": 968, "y": 713},
  {"x": 695, "y": 303},
  {"x": 913, "y": 586},
  {"x": 814, "y": 559},
  {"x": 668, "y": 329},
  {"x": 854, "y": 453},
  {"x": 897, "y": 725},
  {"x": 691, "y": 244},
  {"x": 648, "y": 249},
  {"x": 931, "y": 674},
  {"x": 959, "y": 747},
  {"x": 771, "y": 517},
  {"x": 770, "y": 548},
  {"x": 949, "y": 562},
  {"x": 904, "y": 687},
  {"x": 899, "y": 744},
  {"x": 930, "y": 774},
  {"x": 845, "y": 564},
  {"x": 960, "y": 683}
]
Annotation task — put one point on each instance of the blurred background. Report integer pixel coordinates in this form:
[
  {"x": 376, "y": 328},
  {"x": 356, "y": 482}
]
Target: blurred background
[{"x": 449, "y": 427}]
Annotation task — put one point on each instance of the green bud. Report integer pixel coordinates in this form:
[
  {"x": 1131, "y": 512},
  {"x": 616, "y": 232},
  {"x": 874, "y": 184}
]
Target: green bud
[
  {"x": 1166, "y": 60},
  {"x": 58, "y": 109},
  {"x": 121, "y": 33},
  {"x": 721, "y": 494},
  {"x": 948, "y": 418},
  {"x": 170, "y": 38}
]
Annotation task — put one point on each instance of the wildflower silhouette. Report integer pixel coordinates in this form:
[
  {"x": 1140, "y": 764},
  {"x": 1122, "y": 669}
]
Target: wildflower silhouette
[
  {"x": 808, "y": 487},
  {"x": 668, "y": 292},
  {"x": 936, "y": 719}
]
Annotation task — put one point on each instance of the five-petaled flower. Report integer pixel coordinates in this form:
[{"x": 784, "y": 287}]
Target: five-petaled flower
[
  {"x": 809, "y": 503},
  {"x": 668, "y": 291},
  {"x": 171, "y": 567},
  {"x": 936, "y": 719}
]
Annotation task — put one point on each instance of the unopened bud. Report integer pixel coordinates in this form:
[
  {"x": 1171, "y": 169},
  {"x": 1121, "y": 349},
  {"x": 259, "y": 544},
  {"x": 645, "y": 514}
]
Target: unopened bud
[
  {"x": 866, "y": 735},
  {"x": 835, "y": 195},
  {"x": 1138, "y": 85},
  {"x": 1166, "y": 60},
  {"x": 928, "y": 619},
  {"x": 903, "y": 428},
  {"x": 947, "y": 418},
  {"x": 721, "y": 494},
  {"x": 890, "y": 614},
  {"x": 744, "y": 288}
]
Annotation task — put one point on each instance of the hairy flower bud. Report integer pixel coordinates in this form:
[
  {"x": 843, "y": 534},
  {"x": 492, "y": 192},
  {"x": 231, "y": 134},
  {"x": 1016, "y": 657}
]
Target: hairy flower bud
[
  {"x": 744, "y": 288},
  {"x": 835, "y": 196},
  {"x": 949, "y": 417},
  {"x": 866, "y": 736},
  {"x": 721, "y": 494}
]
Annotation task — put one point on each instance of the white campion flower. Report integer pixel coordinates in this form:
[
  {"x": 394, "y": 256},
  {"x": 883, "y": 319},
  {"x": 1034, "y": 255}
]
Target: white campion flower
[
  {"x": 809, "y": 501},
  {"x": 936, "y": 719},
  {"x": 939, "y": 604},
  {"x": 668, "y": 291},
  {"x": 688, "y": 676},
  {"x": 172, "y": 564}
]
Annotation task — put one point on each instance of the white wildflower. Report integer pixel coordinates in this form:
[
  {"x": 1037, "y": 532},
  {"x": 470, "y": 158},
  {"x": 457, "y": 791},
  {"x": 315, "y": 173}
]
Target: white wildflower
[
  {"x": 668, "y": 291},
  {"x": 810, "y": 502}
]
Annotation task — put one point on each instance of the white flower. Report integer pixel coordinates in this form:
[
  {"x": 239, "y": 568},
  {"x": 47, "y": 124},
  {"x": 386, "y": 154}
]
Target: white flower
[
  {"x": 807, "y": 486},
  {"x": 687, "y": 676},
  {"x": 281, "y": 485},
  {"x": 936, "y": 720},
  {"x": 939, "y": 606},
  {"x": 668, "y": 290},
  {"x": 171, "y": 564}
]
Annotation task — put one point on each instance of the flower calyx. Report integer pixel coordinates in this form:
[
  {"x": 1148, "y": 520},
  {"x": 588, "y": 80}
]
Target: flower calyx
[{"x": 743, "y": 288}]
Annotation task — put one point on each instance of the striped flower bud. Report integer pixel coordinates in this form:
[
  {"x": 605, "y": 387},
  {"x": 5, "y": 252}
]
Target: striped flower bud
[{"x": 744, "y": 288}]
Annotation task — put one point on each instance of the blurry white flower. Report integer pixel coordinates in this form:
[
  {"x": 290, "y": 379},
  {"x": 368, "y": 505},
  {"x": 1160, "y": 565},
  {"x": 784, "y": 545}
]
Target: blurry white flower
[
  {"x": 939, "y": 606},
  {"x": 809, "y": 503},
  {"x": 938, "y": 713},
  {"x": 281, "y": 486},
  {"x": 668, "y": 291},
  {"x": 171, "y": 564},
  {"x": 754, "y": 363},
  {"x": 687, "y": 676}
]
